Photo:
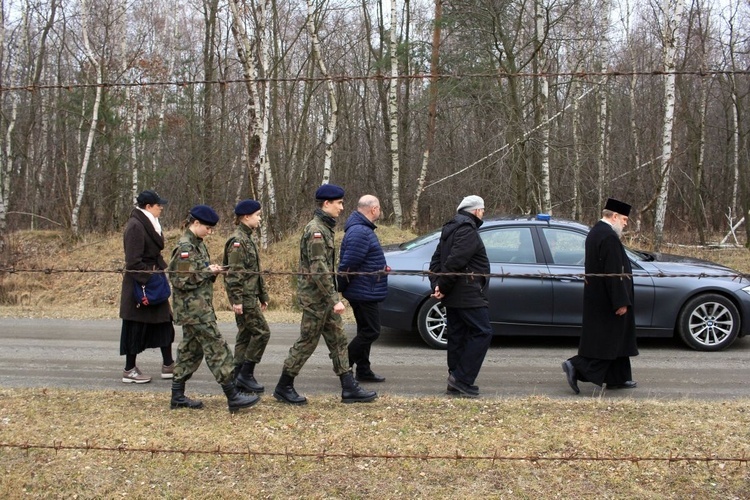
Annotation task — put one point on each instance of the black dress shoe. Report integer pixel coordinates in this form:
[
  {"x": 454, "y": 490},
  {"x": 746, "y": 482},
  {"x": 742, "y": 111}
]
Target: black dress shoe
[
  {"x": 369, "y": 376},
  {"x": 570, "y": 373},
  {"x": 463, "y": 389},
  {"x": 630, "y": 384}
]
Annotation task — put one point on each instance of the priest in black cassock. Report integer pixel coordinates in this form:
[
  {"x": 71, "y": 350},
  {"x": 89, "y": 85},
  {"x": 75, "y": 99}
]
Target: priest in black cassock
[{"x": 608, "y": 330}]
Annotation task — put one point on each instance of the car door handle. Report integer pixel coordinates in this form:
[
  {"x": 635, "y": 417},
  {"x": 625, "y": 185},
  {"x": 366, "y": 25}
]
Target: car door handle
[{"x": 568, "y": 279}]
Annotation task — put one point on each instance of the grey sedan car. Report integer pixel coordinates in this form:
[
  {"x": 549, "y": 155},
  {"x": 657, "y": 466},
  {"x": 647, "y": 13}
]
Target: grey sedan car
[{"x": 540, "y": 291}]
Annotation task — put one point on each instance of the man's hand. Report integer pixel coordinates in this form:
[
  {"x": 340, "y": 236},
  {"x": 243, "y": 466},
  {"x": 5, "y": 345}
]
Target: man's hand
[
  {"x": 263, "y": 306},
  {"x": 339, "y": 308},
  {"x": 237, "y": 308},
  {"x": 438, "y": 294},
  {"x": 621, "y": 310}
]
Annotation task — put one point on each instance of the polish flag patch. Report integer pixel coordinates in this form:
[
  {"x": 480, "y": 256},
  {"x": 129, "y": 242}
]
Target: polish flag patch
[
  {"x": 317, "y": 235},
  {"x": 236, "y": 244},
  {"x": 184, "y": 255}
]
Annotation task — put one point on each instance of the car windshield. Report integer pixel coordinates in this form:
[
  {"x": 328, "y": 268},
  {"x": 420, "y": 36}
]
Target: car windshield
[
  {"x": 421, "y": 240},
  {"x": 636, "y": 255}
]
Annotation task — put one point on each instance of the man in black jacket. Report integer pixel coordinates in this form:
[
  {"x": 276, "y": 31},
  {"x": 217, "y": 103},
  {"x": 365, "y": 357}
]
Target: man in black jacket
[
  {"x": 608, "y": 331},
  {"x": 461, "y": 253}
]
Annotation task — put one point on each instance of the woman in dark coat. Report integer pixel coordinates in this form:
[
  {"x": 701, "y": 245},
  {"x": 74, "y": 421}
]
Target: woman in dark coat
[{"x": 149, "y": 326}]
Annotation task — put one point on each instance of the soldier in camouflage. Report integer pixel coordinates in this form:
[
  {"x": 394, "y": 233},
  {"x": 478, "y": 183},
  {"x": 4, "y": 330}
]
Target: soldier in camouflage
[
  {"x": 320, "y": 303},
  {"x": 192, "y": 277},
  {"x": 247, "y": 294}
]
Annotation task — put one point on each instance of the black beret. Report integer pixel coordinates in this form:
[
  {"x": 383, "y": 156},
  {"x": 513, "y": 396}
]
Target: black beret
[
  {"x": 246, "y": 207},
  {"x": 620, "y": 207},
  {"x": 205, "y": 214},
  {"x": 329, "y": 192},
  {"x": 150, "y": 197}
]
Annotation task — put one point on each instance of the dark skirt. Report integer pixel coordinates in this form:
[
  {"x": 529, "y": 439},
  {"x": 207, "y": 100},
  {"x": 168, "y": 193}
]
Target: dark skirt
[{"x": 136, "y": 337}]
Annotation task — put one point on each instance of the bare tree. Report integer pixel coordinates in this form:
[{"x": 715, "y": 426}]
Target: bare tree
[
  {"x": 97, "y": 68},
  {"x": 672, "y": 11}
]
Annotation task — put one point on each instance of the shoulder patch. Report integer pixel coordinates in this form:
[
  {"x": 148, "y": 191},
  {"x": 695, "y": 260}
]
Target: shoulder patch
[
  {"x": 317, "y": 234},
  {"x": 184, "y": 255},
  {"x": 236, "y": 244}
]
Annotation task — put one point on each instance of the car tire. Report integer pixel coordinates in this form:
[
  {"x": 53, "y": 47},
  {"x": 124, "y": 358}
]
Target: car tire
[
  {"x": 708, "y": 322},
  {"x": 432, "y": 325}
]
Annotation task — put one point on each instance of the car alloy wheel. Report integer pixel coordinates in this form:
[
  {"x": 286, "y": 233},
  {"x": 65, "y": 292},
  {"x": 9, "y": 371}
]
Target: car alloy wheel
[
  {"x": 432, "y": 324},
  {"x": 709, "y": 322}
]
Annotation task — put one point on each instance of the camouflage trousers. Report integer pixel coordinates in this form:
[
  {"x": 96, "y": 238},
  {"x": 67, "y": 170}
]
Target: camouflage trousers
[
  {"x": 252, "y": 335},
  {"x": 314, "y": 324},
  {"x": 203, "y": 340}
]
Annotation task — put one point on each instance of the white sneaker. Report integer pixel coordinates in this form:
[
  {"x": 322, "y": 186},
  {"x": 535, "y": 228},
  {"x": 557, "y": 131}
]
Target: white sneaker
[{"x": 134, "y": 376}]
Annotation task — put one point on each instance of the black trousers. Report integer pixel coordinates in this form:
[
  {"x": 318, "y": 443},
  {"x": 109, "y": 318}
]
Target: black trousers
[
  {"x": 602, "y": 371},
  {"x": 469, "y": 336},
  {"x": 367, "y": 315}
]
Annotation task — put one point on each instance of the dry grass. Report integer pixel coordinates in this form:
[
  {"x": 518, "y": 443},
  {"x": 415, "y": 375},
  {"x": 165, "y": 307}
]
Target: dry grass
[{"x": 528, "y": 427}]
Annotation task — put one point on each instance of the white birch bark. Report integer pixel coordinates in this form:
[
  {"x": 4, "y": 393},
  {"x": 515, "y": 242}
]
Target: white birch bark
[
  {"x": 575, "y": 213},
  {"x": 543, "y": 112},
  {"x": 6, "y": 157},
  {"x": 331, "y": 129},
  {"x": 265, "y": 183},
  {"x": 672, "y": 11},
  {"x": 393, "y": 119},
  {"x": 94, "y": 119}
]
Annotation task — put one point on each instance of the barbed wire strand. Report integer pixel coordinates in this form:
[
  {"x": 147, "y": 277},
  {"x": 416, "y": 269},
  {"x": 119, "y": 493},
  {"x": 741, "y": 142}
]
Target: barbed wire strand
[
  {"x": 324, "y": 454},
  {"x": 346, "y": 78},
  {"x": 426, "y": 274}
]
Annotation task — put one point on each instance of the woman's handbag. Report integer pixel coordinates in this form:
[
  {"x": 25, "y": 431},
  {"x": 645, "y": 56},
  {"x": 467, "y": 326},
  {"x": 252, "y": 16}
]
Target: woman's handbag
[{"x": 154, "y": 292}]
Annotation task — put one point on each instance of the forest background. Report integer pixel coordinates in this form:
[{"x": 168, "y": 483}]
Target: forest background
[{"x": 536, "y": 105}]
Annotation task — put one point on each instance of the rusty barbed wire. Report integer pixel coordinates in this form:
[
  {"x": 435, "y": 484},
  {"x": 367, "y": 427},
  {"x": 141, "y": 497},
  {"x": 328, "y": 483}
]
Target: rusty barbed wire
[
  {"x": 426, "y": 274},
  {"x": 382, "y": 77},
  {"x": 325, "y": 454}
]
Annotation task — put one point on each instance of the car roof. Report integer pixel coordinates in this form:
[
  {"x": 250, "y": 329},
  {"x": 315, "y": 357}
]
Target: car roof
[{"x": 534, "y": 220}]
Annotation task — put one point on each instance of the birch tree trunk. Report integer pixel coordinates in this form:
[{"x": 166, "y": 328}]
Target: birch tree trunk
[
  {"x": 431, "y": 113},
  {"x": 672, "y": 11},
  {"x": 94, "y": 119},
  {"x": 265, "y": 184},
  {"x": 393, "y": 119},
  {"x": 333, "y": 118},
  {"x": 576, "y": 211},
  {"x": 545, "y": 196}
]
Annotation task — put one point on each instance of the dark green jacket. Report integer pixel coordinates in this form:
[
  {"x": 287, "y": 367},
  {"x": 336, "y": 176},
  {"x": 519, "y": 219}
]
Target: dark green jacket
[
  {"x": 241, "y": 254},
  {"x": 193, "y": 285},
  {"x": 316, "y": 287}
]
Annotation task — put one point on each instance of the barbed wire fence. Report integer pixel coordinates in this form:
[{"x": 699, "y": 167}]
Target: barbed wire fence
[
  {"x": 352, "y": 455},
  {"x": 734, "y": 276}
]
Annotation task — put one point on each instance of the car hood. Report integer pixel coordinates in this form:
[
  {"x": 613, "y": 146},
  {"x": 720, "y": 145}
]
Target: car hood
[{"x": 677, "y": 263}]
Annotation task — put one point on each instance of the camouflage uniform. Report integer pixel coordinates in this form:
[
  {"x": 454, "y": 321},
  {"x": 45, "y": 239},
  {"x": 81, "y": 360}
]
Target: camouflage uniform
[
  {"x": 317, "y": 295},
  {"x": 241, "y": 254},
  {"x": 193, "y": 308}
]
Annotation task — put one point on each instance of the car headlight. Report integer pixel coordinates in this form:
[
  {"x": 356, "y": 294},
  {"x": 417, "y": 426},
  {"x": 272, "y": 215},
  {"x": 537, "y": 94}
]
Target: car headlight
[{"x": 746, "y": 289}]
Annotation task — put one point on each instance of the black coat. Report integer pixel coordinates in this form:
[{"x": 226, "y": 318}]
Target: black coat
[
  {"x": 143, "y": 246},
  {"x": 461, "y": 250},
  {"x": 604, "y": 334}
]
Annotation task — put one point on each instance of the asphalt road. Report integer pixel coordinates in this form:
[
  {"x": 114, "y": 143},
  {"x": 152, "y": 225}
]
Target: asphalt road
[{"x": 85, "y": 355}]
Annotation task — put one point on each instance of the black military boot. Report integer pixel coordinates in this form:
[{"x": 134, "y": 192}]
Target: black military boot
[
  {"x": 351, "y": 392},
  {"x": 285, "y": 392},
  {"x": 237, "y": 400},
  {"x": 245, "y": 380},
  {"x": 179, "y": 400}
]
